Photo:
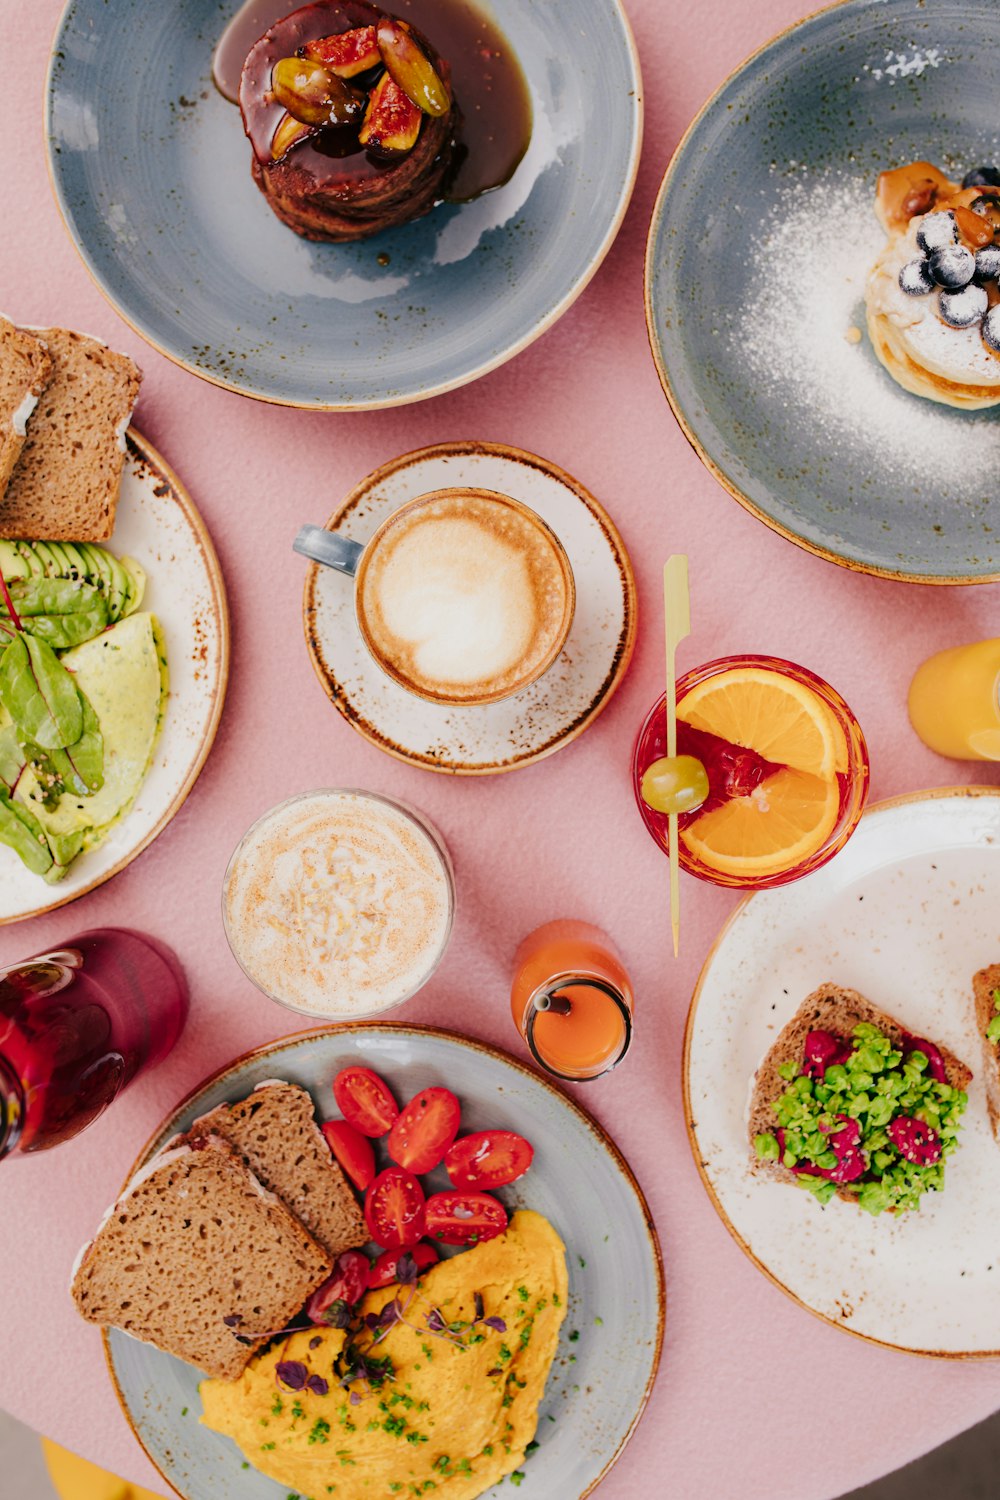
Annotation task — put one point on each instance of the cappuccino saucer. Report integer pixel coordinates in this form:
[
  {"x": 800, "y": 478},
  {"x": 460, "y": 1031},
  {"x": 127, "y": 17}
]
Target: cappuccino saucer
[{"x": 541, "y": 718}]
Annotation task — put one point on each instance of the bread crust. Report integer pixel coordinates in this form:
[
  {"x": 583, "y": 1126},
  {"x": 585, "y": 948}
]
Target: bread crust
[
  {"x": 829, "y": 1008},
  {"x": 26, "y": 368},
  {"x": 983, "y": 984}
]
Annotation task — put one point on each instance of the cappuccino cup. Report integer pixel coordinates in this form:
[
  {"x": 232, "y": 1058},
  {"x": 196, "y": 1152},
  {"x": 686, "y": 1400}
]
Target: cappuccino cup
[{"x": 462, "y": 596}]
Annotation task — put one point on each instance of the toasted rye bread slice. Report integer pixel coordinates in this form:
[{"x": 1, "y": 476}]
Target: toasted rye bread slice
[
  {"x": 830, "y": 1008},
  {"x": 274, "y": 1129},
  {"x": 195, "y": 1240},
  {"x": 983, "y": 985},
  {"x": 65, "y": 484},
  {"x": 26, "y": 368}
]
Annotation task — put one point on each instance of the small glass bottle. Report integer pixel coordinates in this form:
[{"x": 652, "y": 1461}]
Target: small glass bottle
[{"x": 571, "y": 1000}]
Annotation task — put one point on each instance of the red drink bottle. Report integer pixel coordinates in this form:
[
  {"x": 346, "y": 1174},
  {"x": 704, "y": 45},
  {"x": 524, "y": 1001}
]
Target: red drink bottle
[{"x": 76, "y": 1026}]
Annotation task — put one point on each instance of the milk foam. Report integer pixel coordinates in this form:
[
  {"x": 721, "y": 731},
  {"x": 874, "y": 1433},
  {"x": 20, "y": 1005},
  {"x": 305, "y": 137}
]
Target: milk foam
[
  {"x": 465, "y": 595},
  {"x": 338, "y": 903}
]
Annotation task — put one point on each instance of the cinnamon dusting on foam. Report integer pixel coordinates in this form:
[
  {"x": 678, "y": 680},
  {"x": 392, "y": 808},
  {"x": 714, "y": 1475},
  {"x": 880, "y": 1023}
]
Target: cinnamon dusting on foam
[
  {"x": 465, "y": 596},
  {"x": 338, "y": 903}
]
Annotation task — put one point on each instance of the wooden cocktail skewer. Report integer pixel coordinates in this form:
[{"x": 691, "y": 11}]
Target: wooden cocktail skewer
[{"x": 677, "y": 624}]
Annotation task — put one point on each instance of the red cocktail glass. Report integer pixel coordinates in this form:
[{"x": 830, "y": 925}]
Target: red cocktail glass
[
  {"x": 77, "y": 1026},
  {"x": 733, "y": 771}
]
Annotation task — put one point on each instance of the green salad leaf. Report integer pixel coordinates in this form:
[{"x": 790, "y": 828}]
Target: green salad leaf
[
  {"x": 12, "y": 759},
  {"x": 77, "y": 769},
  {"x": 39, "y": 694},
  {"x": 21, "y": 831},
  {"x": 59, "y": 611}
]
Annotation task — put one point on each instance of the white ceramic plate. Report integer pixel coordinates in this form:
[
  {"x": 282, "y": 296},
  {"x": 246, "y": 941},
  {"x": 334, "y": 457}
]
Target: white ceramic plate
[
  {"x": 599, "y": 1382},
  {"x": 532, "y": 723},
  {"x": 158, "y": 525},
  {"x": 906, "y": 914}
]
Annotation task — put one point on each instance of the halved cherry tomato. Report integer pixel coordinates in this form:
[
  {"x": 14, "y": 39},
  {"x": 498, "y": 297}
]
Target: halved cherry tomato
[
  {"x": 394, "y": 1209},
  {"x": 352, "y": 1150},
  {"x": 350, "y": 1280},
  {"x": 464, "y": 1218},
  {"x": 384, "y": 1269},
  {"x": 364, "y": 1101},
  {"x": 488, "y": 1159},
  {"x": 425, "y": 1129}
]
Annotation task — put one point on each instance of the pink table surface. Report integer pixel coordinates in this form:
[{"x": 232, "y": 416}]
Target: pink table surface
[{"x": 738, "y": 1405}]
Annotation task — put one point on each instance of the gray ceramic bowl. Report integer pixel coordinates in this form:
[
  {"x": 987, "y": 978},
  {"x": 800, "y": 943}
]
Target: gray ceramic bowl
[
  {"x": 759, "y": 247},
  {"x": 152, "y": 171},
  {"x": 600, "y": 1380}
]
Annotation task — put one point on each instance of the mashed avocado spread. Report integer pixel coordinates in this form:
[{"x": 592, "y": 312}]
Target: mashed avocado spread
[{"x": 449, "y": 1412}]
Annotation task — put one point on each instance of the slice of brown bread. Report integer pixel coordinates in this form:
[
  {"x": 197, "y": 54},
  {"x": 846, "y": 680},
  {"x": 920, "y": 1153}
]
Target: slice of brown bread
[
  {"x": 983, "y": 985},
  {"x": 830, "y": 1008},
  {"x": 26, "y": 368},
  {"x": 194, "y": 1241},
  {"x": 65, "y": 484},
  {"x": 274, "y": 1129}
]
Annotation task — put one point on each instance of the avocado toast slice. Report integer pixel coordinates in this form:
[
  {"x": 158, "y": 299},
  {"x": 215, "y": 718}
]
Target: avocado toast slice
[{"x": 986, "y": 994}]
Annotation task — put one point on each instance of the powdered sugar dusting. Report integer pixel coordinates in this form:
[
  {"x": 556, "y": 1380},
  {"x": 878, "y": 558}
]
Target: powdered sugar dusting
[{"x": 810, "y": 259}]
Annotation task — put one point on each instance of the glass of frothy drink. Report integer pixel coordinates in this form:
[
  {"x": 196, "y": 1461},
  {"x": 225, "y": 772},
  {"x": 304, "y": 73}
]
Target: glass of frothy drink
[
  {"x": 462, "y": 596},
  {"x": 339, "y": 903}
]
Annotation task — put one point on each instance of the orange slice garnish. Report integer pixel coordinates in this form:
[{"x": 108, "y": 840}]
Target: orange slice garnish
[
  {"x": 780, "y": 825},
  {"x": 762, "y": 710}
]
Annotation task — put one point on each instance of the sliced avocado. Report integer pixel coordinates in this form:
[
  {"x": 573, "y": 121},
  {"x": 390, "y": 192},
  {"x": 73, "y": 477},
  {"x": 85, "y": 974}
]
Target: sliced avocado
[
  {"x": 64, "y": 849},
  {"x": 76, "y": 568},
  {"x": 136, "y": 583},
  {"x": 48, "y": 563},
  {"x": 102, "y": 566},
  {"x": 13, "y": 562},
  {"x": 122, "y": 676}
]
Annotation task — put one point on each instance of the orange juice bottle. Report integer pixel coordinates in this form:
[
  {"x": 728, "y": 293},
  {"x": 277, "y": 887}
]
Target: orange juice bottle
[
  {"x": 954, "y": 702},
  {"x": 571, "y": 999}
]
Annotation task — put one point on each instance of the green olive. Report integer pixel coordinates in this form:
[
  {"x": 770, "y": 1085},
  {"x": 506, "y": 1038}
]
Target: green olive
[
  {"x": 675, "y": 784},
  {"x": 410, "y": 67},
  {"x": 313, "y": 94}
]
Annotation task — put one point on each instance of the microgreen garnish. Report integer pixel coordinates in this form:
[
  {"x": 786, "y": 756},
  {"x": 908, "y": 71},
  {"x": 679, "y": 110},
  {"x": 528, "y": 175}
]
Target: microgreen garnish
[{"x": 291, "y": 1373}]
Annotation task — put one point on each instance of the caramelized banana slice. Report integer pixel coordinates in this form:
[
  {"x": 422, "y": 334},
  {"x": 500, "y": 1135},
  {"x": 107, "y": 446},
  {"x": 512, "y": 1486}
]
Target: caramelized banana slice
[
  {"x": 289, "y": 132},
  {"x": 313, "y": 94},
  {"x": 411, "y": 68}
]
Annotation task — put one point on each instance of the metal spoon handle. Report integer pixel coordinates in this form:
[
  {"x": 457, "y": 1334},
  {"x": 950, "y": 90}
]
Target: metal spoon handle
[{"x": 329, "y": 549}]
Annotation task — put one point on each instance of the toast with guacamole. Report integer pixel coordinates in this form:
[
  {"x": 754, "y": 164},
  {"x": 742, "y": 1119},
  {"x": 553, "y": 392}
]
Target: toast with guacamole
[
  {"x": 986, "y": 997},
  {"x": 83, "y": 684},
  {"x": 848, "y": 1103}
]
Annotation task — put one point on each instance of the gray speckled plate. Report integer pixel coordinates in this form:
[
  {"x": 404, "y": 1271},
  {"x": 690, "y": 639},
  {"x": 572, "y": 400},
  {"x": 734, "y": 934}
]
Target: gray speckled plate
[
  {"x": 542, "y": 717},
  {"x": 599, "y": 1383},
  {"x": 152, "y": 171},
  {"x": 759, "y": 246},
  {"x": 906, "y": 914},
  {"x": 157, "y": 524}
]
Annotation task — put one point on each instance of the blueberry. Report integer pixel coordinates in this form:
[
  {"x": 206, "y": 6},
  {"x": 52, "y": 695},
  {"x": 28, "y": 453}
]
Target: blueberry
[
  {"x": 952, "y": 266},
  {"x": 937, "y": 230},
  {"x": 982, "y": 177},
  {"x": 985, "y": 203},
  {"x": 991, "y": 329},
  {"x": 963, "y": 309},
  {"x": 988, "y": 263},
  {"x": 915, "y": 278}
]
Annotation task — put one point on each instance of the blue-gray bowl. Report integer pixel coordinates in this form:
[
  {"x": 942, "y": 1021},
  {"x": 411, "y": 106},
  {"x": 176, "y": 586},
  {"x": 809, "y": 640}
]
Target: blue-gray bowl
[
  {"x": 760, "y": 243},
  {"x": 152, "y": 172}
]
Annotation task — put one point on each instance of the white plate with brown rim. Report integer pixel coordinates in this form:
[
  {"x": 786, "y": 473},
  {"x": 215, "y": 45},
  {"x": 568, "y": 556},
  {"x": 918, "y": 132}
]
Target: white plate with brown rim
[
  {"x": 905, "y": 914},
  {"x": 541, "y": 718},
  {"x": 157, "y": 524}
]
